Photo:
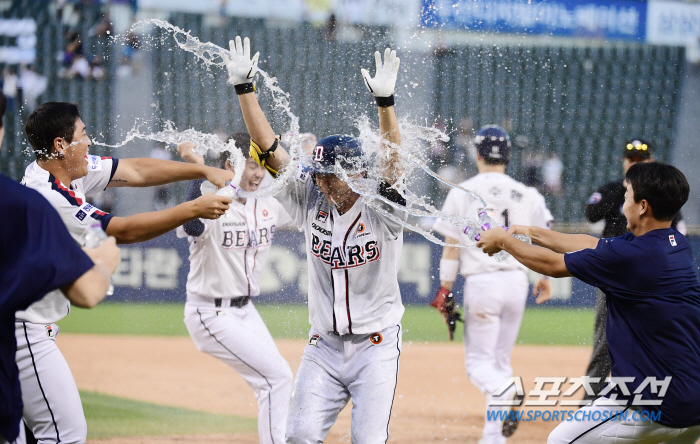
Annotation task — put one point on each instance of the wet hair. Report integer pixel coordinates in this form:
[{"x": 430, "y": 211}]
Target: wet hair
[
  {"x": 242, "y": 141},
  {"x": 662, "y": 185},
  {"x": 48, "y": 121}
]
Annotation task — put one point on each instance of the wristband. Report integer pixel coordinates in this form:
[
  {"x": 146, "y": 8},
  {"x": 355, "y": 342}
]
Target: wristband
[
  {"x": 244, "y": 88},
  {"x": 384, "y": 102},
  {"x": 448, "y": 270}
]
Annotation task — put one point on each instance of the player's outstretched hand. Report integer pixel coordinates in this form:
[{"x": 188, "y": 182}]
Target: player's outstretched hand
[
  {"x": 492, "y": 240},
  {"x": 211, "y": 206},
  {"x": 241, "y": 68},
  {"x": 543, "y": 290},
  {"x": 189, "y": 154},
  {"x": 219, "y": 177},
  {"x": 384, "y": 81}
]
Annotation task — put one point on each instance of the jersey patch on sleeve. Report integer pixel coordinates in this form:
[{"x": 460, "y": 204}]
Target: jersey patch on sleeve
[
  {"x": 86, "y": 210},
  {"x": 94, "y": 163},
  {"x": 595, "y": 198},
  {"x": 302, "y": 176}
]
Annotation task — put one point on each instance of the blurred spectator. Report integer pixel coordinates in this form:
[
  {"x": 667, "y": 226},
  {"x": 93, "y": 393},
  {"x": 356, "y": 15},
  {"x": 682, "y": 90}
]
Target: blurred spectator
[
  {"x": 329, "y": 33},
  {"x": 532, "y": 162},
  {"x": 9, "y": 86},
  {"x": 73, "y": 48},
  {"x": 97, "y": 70},
  {"x": 127, "y": 67},
  {"x": 552, "y": 169},
  {"x": 32, "y": 86},
  {"x": 103, "y": 28}
]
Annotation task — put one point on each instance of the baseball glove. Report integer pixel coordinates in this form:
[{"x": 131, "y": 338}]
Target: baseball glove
[{"x": 445, "y": 303}]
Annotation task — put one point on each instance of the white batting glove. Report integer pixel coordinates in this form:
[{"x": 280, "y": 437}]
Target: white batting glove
[
  {"x": 384, "y": 81},
  {"x": 241, "y": 68}
]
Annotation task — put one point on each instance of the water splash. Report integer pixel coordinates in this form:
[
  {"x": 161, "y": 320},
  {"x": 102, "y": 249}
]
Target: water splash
[{"x": 412, "y": 151}]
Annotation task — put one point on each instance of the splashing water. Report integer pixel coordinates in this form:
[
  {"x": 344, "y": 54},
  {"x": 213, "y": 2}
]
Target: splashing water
[{"x": 415, "y": 140}]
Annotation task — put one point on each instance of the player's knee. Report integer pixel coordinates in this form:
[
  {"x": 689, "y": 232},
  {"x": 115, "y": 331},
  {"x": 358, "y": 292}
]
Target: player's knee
[{"x": 299, "y": 432}]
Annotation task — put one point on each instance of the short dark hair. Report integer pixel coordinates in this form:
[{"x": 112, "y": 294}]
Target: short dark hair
[
  {"x": 48, "y": 121},
  {"x": 662, "y": 185},
  {"x": 242, "y": 141}
]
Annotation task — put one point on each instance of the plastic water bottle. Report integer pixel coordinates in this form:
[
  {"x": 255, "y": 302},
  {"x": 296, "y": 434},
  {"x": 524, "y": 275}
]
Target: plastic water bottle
[
  {"x": 472, "y": 233},
  {"x": 485, "y": 221},
  {"x": 93, "y": 238},
  {"x": 230, "y": 190}
]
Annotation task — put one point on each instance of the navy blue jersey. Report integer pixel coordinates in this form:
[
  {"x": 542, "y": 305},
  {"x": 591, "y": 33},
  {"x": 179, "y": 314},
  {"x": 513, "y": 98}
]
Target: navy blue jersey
[
  {"x": 37, "y": 255},
  {"x": 653, "y": 324}
]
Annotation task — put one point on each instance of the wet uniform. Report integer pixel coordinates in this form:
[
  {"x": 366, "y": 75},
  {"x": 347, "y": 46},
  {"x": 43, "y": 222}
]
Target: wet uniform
[
  {"x": 355, "y": 313},
  {"x": 227, "y": 258},
  {"x": 52, "y": 407}
]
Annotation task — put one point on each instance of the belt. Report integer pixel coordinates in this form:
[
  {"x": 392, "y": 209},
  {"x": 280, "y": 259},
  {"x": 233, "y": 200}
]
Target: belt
[{"x": 235, "y": 302}]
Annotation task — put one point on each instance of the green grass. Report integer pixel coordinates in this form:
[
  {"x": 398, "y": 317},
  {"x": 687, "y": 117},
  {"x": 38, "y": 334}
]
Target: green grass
[
  {"x": 549, "y": 326},
  {"x": 109, "y": 416}
]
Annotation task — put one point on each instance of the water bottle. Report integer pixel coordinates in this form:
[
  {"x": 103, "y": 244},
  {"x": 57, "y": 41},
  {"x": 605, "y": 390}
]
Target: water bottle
[
  {"x": 472, "y": 233},
  {"x": 93, "y": 238},
  {"x": 485, "y": 221},
  {"x": 230, "y": 190}
]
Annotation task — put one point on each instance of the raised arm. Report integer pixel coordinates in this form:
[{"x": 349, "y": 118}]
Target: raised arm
[
  {"x": 146, "y": 172},
  {"x": 382, "y": 86},
  {"x": 241, "y": 70}
]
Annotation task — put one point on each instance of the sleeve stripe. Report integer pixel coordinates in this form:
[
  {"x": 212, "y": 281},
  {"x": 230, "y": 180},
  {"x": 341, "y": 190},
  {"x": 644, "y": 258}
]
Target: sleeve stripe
[
  {"x": 56, "y": 185},
  {"x": 115, "y": 163}
]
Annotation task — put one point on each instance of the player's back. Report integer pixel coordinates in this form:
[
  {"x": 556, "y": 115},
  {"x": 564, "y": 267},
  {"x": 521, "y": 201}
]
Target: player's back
[{"x": 508, "y": 202}]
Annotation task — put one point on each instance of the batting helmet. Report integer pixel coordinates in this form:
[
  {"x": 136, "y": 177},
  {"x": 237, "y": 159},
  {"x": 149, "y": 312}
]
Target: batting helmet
[
  {"x": 343, "y": 149},
  {"x": 637, "y": 149},
  {"x": 493, "y": 144}
]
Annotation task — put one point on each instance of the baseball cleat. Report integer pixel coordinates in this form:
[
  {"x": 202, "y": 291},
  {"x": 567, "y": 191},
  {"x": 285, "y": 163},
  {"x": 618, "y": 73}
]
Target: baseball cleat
[{"x": 511, "y": 422}]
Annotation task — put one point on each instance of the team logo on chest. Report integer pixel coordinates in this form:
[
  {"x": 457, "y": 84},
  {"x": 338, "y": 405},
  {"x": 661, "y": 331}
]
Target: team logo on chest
[{"x": 348, "y": 256}]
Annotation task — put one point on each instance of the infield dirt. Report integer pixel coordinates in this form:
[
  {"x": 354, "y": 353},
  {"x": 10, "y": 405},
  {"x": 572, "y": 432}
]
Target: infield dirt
[{"x": 434, "y": 402}]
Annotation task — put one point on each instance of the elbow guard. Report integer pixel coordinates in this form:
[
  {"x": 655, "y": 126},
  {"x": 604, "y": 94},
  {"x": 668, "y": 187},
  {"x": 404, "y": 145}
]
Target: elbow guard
[{"x": 261, "y": 157}]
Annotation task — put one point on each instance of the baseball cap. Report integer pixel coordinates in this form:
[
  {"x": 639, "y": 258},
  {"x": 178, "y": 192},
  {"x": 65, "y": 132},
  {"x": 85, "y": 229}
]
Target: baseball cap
[
  {"x": 493, "y": 144},
  {"x": 637, "y": 148}
]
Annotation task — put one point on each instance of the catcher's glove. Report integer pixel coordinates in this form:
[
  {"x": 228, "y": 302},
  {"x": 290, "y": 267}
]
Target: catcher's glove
[{"x": 445, "y": 304}]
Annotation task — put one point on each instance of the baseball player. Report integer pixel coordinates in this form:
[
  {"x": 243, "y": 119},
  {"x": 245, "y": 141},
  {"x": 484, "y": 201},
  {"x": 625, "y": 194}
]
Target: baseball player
[
  {"x": 227, "y": 258},
  {"x": 353, "y": 254},
  {"x": 64, "y": 173},
  {"x": 494, "y": 292},
  {"x": 653, "y": 322},
  {"x": 606, "y": 204}
]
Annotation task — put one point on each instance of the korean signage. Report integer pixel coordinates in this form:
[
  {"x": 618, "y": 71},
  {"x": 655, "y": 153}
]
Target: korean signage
[
  {"x": 157, "y": 271},
  {"x": 618, "y": 20}
]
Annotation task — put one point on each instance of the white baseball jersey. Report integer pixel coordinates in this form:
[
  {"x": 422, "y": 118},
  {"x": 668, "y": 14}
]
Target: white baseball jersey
[
  {"x": 353, "y": 260},
  {"x": 76, "y": 213},
  {"x": 227, "y": 259},
  {"x": 508, "y": 201}
]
